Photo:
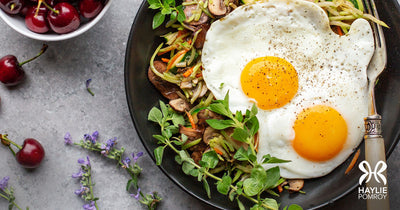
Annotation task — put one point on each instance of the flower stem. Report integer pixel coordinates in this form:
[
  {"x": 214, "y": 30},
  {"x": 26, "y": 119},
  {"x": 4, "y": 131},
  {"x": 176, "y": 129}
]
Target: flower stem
[
  {"x": 91, "y": 186},
  {"x": 44, "y": 48}
]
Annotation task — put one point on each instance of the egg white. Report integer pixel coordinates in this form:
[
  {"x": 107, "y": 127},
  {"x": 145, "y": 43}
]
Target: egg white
[{"x": 331, "y": 71}]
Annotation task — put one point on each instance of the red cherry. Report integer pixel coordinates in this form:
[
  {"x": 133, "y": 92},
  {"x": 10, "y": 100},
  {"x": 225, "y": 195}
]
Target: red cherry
[
  {"x": 64, "y": 19},
  {"x": 31, "y": 154},
  {"x": 90, "y": 8},
  {"x": 11, "y": 73},
  {"x": 37, "y": 22},
  {"x": 11, "y": 7}
]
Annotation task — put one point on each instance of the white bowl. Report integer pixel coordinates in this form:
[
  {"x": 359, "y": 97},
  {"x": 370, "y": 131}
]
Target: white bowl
[{"x": 18, "y": 23}]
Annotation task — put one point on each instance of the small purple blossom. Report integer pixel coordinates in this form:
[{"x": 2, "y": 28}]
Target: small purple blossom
[
  {"x": 82, "y": 161},
  {"x": 108, "y": 146},
  {"x": 92, "y": 138},
  {"x": 82, "y": 190},
  {"x": 79, "y": 174},
  {"x": 89, "y": 206},
  {"x": 87, "y": 83},
  {"x": 138, "y": 155},
  {"x": 68, "y": 138},
  {"x": 4, "y": 182},
  {"x": 126, "y": 162},
  {"x": 137, "y": 195}
]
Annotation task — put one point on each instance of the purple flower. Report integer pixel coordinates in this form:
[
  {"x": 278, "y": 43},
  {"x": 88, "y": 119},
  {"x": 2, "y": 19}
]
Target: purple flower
[
  {"x": 82, "y": 161},
  {"x": 137, "y": 195},
  {"x": 126, "y": 162},
  {"x": 67, "y": 138},
  {"x": 79, "y": 174},
  {"x": 4, "y": 182},
  {"x": 89, "y": 206},
  {"x": 92, "y": 138},
  {"x": 108, "y": 146},
  {"x": 87, "y": 86},
  {"x": 88, "y": 82},
  {"x": 82, "y": 190},
  {"x": 138, "y": 155}
]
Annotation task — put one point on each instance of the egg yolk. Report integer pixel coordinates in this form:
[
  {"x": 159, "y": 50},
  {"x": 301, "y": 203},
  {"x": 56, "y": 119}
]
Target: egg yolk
[
  {"x": 271, "y": 81},
  {"x": 320, "y": 133}
]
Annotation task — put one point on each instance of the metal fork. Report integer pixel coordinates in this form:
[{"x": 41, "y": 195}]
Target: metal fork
[{"x": 374, "y": 142}]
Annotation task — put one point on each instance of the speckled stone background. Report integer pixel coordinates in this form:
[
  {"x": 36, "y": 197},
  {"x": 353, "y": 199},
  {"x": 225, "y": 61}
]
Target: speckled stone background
[{"x": 53, "y": 101}]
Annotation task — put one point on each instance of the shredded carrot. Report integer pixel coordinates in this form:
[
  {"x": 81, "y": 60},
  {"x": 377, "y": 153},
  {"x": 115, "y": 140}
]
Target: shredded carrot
[
  {"x": 199, "y": 75},
  {"x": 256, "y": 142},
  {"x": 190, "y": 41},
  {"x": 191, "y": 120},
  {"x": 165, "y": 60},
  {"x": 280, "y": 189},
  {"x": 173, "y": 59},
  {"x": 339, "y": 30},
  {"x": 218, "y": 151},
  {"x": 353, "y": 162},
  {"x": 188, "y": 72}
]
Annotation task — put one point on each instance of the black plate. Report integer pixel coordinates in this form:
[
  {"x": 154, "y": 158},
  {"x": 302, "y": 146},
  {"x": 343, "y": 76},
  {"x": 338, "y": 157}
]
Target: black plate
[{"x": 142, "y": 96}]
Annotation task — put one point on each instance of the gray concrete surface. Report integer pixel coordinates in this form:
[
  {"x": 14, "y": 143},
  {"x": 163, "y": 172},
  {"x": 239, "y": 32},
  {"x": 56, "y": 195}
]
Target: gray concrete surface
[{"x": 53, "y": 101}]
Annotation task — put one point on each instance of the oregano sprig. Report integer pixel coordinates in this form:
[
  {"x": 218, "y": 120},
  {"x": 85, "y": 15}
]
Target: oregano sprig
[
  {"x": 167, "y": 8},
  {"x": 256, "y": 181}
]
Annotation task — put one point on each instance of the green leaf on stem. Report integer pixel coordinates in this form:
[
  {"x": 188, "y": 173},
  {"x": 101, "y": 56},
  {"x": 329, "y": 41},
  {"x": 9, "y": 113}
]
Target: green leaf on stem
[
  {"x": 269, "y": 159},
  {"x": 158, "y": 154},
  {"x": 209, "y": 159},
  {"x": 220, "y": 124},
  {"x": 223, "y": 186},
  {"x": 158, "y": 19},
  {"x": 155, "y": 115}
]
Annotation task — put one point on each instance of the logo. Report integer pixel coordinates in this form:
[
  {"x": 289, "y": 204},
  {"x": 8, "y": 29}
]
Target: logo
[
  {"x": 377, "y": 193},
  {"x": 377, "y": 172}
]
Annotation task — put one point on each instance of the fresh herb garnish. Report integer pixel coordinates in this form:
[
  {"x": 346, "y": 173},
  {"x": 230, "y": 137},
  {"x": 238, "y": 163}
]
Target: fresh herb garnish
[
  {"x": 245, "y": 177},
  {"x": 167, "y": 8}
]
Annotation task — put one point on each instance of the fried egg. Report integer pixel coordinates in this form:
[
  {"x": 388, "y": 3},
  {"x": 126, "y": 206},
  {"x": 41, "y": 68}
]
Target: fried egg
[{"x": 309, "y": 84}]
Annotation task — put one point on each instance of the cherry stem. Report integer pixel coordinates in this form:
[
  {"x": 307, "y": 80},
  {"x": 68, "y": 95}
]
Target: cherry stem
[
  {"x": 44, "y": 48},
  {"x": 12, "y": 6},
  {"x": 6, "y": 141},
  {"x": 48, "y": 7}
]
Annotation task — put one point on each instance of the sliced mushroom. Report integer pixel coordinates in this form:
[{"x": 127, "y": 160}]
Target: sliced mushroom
[
  {"x": 167, "y": 89},
  {"x": 201, "y": 36},
  {"x": 207, "y": 114},
  {"x": 189, "y": 12},
  {"x": 295, "y": 185},
  {"x": 217, "y": 7},
  {"x": 209, "y": 133},
  {"x": 190, "y": 132},
  {"x": 179, "y": 105}
]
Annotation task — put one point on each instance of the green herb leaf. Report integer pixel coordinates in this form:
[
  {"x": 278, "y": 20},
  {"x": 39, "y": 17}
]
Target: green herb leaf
[
  {"x": 181, "y": 15},
  {"x": 220, "y": 109},
  {"x": 223, "y": 186},
  {"x": 158, "y": 154},
  {"x": 209, "y": 159},
  {"x": 239, "y": 116},
  {"x": 255, "y": 184},
  {"x": 240, "y": 134},
  {"x": 273, "y": 176},
  {"x": 269, "y": 159},
  {"x": 158, "y": 19},
  {"x": 220, "y": 124},
  {"x": 271, "y": 203},
  {"x": 154, "y": 4},
  {"x": 155, "y": 115},
  {"x": 207, "y": 187},
  {"x": 240, "y": 204},
  {"x": 293, "y": 207},
  {"x": 241, "y": 154},
  {"x": 164, "y": 109},
  {"x": 187, "y": 167},
  {"x": 253, "y": 125}
]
